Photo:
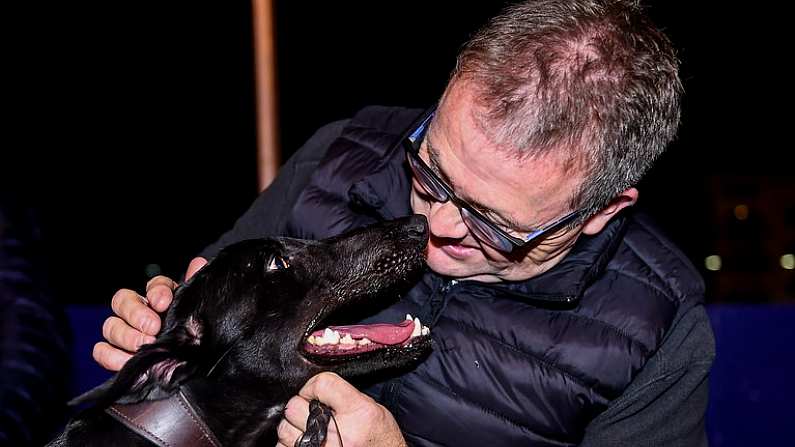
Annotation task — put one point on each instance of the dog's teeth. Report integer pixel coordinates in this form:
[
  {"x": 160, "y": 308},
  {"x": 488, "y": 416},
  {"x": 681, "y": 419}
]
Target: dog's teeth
[
  {"x": 425, "y": 330},
  {"x": 331, "y": 337},
  {"x": 417, "y": 328},
  {"x": 347, "y": 340},
  {"x": 311, "y": 340},
  {"x": 365, "y": 341},
  {"x": 408, "y": 317}
]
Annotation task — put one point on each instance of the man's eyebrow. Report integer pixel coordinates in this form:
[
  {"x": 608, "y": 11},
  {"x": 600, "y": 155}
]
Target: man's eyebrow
[{"x": 433, "y": 155}]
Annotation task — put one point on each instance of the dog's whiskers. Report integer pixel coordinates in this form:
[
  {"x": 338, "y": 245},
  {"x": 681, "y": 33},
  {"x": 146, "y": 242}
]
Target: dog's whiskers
[{"x": 217, "y": 362}]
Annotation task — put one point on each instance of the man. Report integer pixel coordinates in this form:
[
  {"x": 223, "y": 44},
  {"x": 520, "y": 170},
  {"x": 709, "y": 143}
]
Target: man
[{"x": 559, "y": 317}]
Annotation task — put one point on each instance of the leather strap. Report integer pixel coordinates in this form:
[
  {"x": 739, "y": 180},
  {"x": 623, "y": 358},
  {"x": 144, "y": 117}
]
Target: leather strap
[{"x": 170, "y": 422}]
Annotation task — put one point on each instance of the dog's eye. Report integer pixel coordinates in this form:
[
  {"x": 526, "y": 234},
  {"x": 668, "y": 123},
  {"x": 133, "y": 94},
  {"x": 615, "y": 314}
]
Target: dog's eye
[{"x": 277, "y": 263}]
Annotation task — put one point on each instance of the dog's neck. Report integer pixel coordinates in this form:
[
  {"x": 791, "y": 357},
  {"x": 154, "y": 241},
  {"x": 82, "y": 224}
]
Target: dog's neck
[{"x": 237, "y": 414}]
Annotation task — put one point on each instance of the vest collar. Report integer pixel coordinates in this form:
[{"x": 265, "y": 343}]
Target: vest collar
[
  {"x": 564, "y": 284},
  {"x": 385, "y": 190}
]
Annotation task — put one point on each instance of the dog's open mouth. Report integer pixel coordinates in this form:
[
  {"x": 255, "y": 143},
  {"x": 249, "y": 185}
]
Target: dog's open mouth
[{"x": 339, "y": 341}]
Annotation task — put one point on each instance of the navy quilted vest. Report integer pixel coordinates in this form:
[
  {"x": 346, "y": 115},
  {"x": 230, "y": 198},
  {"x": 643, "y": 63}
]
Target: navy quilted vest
[{"x": 526, "y": 363}]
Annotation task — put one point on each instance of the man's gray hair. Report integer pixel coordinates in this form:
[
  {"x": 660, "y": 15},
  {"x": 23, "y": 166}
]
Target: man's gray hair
[{"x": 594, "y": 77}]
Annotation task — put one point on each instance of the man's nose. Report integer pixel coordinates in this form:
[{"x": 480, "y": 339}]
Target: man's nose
[{"x": 445, "y": 221}]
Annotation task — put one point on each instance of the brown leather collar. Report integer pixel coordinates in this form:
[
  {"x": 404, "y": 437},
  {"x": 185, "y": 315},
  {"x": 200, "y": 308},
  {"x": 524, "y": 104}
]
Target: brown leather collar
[{"x": 171, "y": 422}]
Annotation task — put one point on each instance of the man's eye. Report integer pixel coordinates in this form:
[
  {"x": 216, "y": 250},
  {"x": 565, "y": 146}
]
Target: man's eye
[
  {"x": 278, "y": 263},
  {"x": 497, "y": 220},
  {"x": 422, "y": 192}
]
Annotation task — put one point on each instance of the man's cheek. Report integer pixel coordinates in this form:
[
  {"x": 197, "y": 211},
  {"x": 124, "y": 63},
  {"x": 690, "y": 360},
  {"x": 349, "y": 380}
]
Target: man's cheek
[{"x": 419, "y": 206}]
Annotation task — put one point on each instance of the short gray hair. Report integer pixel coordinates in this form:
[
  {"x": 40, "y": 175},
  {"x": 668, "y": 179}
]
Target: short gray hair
[{"x": 595, "y": 77}]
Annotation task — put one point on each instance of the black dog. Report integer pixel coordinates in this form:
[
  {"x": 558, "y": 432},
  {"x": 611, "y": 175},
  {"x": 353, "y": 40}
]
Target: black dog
[{"x": 247, "y": 332}]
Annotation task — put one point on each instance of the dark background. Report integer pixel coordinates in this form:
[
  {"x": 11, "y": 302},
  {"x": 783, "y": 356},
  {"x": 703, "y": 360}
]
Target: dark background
[{"x": 132, "y": 131}]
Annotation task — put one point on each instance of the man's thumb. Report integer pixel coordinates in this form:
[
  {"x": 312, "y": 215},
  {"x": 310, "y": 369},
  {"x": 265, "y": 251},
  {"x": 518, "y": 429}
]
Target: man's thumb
[
  {"x": 333, "y": 391},
  {"x": 195, "y": 265}
]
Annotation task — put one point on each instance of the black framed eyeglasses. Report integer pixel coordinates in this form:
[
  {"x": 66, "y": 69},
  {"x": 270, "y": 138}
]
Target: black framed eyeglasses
[{"x": 480, "y": 226}]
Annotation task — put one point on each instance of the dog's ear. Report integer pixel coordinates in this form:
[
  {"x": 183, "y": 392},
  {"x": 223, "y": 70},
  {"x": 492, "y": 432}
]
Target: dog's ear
[
  {"x": 155, "y": 372},
  {"x": 159, "y": 380}
]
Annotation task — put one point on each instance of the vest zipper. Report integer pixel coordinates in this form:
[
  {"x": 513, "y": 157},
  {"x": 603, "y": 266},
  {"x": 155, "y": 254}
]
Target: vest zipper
[
  {"x": 439, "y": 299},
  {"x": 391, "y": 392}
]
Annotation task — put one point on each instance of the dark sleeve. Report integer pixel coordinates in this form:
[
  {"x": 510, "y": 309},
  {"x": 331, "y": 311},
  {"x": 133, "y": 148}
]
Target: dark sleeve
[
  {"x": 666, "y": 403},
  {"x": 34, "y": 361},
  {"x": 267, "y": 216}
]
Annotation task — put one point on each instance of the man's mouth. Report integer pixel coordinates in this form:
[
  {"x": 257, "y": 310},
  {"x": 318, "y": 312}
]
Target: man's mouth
[
  {"x": 335, "y": 341},
  {"x": 457, "y": 251}
]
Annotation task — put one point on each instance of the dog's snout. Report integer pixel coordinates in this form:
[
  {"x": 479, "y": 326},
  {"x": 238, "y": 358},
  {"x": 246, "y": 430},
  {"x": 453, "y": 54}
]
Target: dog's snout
[{"x": 417, "y": 227}]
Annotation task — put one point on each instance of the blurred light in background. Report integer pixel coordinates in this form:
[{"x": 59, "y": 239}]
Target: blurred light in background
[
  {"x": 741, "y": 211},
  {"x": 713, "y": 263},
  {"x": 750, "y": 223},
  {"x": 788, "y": 261}
]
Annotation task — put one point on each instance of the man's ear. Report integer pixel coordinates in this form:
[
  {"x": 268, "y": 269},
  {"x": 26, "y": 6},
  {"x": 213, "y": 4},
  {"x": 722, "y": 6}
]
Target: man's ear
[{"x": 598, "y": 221}]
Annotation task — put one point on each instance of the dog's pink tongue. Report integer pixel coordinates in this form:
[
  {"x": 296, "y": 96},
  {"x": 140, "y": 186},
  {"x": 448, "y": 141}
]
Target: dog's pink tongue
[{"x": 382, "y": 333}]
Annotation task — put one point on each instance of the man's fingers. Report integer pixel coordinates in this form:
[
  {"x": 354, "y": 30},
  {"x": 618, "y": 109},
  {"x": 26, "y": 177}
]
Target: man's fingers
[
  {"x": 287, "y": 433},
  {"x": 296, "y": 412},
  {"x": 333, "y": 391},
  {"x": 109, "y": 357},
  {"x": 160, "y": 292},
  {"x": 119, "y": 333},
  {"x": 195, "y": 265},
  {"x": 131, "y": 308}
]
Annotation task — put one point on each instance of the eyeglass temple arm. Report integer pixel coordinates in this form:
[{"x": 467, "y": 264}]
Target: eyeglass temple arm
[{"x": 562, "y": 221}]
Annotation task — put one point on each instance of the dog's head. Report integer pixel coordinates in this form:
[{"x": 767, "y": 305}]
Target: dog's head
[{"x": 267, "y": 311}]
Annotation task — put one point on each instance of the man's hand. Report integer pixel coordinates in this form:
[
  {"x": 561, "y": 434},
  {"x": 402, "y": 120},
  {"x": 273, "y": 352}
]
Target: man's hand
[
  {"x": 360, "y": 420},
  {"x": 136, "y": 322}
]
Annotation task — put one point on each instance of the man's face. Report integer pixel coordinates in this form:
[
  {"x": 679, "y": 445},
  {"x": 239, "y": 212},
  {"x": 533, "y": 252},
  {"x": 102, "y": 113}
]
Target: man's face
[{"x": 519, "y": 195}]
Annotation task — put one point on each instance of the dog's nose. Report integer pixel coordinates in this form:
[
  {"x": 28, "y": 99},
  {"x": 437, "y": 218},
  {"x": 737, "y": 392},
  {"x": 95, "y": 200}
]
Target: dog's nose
[{"x": 417, "y": 227}]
